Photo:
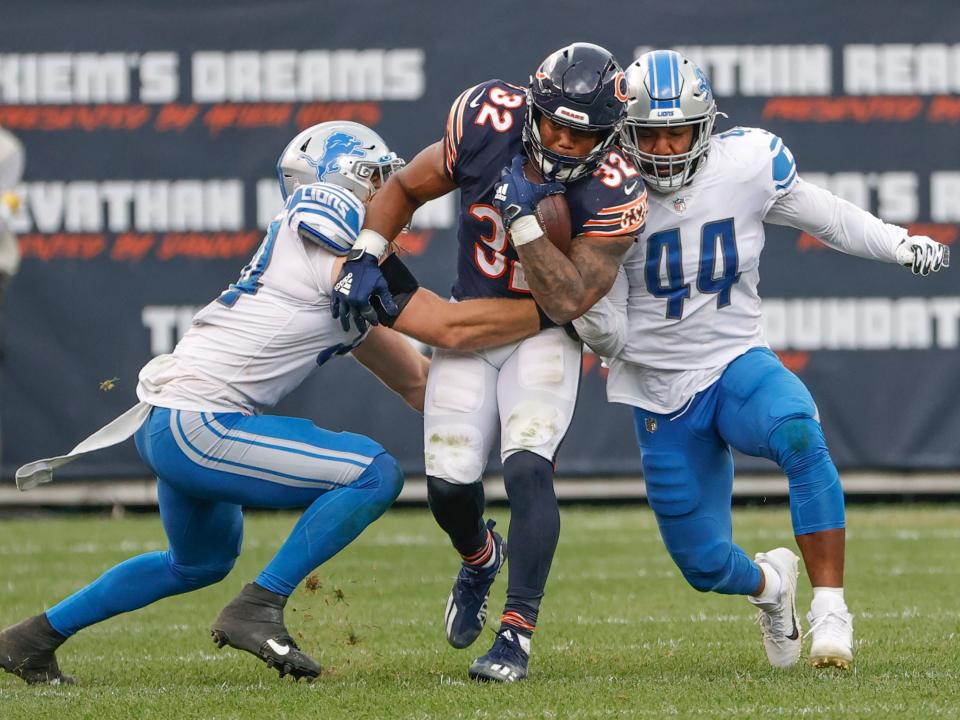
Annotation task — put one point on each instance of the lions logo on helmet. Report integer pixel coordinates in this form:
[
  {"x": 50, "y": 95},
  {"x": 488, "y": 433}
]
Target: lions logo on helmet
[
  {"x": 341, "y": 153},
  {"x": 337, "y": 144}
]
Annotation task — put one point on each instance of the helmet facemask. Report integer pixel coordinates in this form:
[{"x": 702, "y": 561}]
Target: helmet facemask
[
  {"x": 679, "y": 168},
  {"x": 552, "y": 165},
  {"x": 582, "y": 87},
  {"x": 363, "y": 177}
]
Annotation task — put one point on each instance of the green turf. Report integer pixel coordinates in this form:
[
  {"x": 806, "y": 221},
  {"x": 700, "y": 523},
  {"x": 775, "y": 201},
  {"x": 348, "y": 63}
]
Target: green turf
[{"x": 621, "y": 635}]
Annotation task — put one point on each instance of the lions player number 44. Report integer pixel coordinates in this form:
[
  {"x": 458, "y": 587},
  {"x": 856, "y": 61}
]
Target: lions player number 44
[{"x": 716, "y": 237}]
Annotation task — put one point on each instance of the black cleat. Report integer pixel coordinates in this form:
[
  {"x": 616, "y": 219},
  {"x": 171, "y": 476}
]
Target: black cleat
[
  {"x": 507, "y": 660},
  {"x": 466, "y": 611},
  {"x": 28, "y": 649},
  {"x": 253, "y": 621}
]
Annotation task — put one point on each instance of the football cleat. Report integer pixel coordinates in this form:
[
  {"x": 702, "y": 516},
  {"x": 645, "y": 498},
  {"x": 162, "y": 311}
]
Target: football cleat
[
  {"x": 466, "y": 611},
  {"x": 253, "y": 622},
  {"x": 778, "y": 619},
  {"x": 507, "y": 660},
  {"x": 832, "y": 633},
  {"x": 27, "y": 650}
]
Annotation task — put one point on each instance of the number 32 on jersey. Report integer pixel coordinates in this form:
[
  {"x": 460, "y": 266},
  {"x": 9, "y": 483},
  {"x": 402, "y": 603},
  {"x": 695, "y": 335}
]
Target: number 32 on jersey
[{"x": 718, "y": 269}]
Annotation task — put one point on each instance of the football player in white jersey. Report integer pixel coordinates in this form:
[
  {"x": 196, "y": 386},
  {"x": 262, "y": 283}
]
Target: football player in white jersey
[
  {"x": 695, "y": 365},
  {"x": 199, "y": 428}
]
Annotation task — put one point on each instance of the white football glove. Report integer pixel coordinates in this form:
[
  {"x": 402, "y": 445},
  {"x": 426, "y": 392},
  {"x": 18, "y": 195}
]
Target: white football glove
[{"x": 923, "y": 255}]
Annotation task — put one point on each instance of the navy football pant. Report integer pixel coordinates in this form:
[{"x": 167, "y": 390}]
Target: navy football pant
[
  {"x": 208, "y": 465},
  {"x": 761, "y": 409}
]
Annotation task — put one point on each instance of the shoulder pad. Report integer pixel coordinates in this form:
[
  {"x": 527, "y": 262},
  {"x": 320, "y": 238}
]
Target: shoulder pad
[
  {"x": 493, "y": 106},
  {"x": 764, "y": 152},
  {"x": 610, "y": 202},
  {"x": 326, "y": 214}
]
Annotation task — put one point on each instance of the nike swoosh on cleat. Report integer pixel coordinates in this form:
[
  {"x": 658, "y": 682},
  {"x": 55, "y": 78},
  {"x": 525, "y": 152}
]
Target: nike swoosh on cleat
[
  {"x": 279, "y": 649},
  {"x": 796, "y": 631}
]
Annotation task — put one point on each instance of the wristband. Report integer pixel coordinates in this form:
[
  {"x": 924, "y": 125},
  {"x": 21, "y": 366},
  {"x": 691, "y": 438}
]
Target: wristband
[
  {"x": 525, "y": 229},
  {"x": 372, "y": 242}
]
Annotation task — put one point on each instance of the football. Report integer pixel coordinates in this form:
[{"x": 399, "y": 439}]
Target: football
[{"x": 552, "y": 212}]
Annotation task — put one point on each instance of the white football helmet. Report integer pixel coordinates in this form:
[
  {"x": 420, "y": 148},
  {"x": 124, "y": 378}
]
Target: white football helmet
[
  {"x": 666, "y": 89},
  {"x": 338, "y": 152}
]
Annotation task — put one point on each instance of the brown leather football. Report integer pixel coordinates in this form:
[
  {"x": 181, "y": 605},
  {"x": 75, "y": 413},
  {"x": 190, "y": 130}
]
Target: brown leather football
[{"x": 552, "y": 212}]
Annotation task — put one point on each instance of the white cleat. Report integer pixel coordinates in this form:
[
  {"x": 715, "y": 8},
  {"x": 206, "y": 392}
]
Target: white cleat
[
  {"x": 832, "y": 633},
  {"x": 778, "y": 619}
]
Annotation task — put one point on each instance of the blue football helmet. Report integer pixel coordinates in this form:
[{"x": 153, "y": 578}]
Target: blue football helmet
[{"x": 580, "y": 86}]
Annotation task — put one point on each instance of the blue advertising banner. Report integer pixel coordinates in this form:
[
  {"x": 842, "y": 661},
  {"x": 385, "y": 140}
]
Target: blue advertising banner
[{"x": 152, "y": 131}]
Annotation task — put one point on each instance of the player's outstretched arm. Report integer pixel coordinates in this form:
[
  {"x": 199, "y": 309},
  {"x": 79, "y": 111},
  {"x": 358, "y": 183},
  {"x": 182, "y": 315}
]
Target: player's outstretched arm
[
  {"x": 467, "y": 325},
  {"x": 389, "y": 212},
  {"x": 397, "y": 364},
  {"x": 566, "y": 286},
  {"x": 393, "y": 205},
  {"x": 845, "y": 227}
]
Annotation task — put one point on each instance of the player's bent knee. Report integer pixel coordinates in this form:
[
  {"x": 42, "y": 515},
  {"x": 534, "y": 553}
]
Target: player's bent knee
[
  {"x": 528, "y": 480},
  {"x": 534, "y": 426},
  {"x": 816, "y": 495},
  {"x": 454, "y": 452},
  {"x": 795, "y": 439},
  {"x": 198, "y": 576},
  {"x": 708, "y": 570},
  {"x": 382, "y": 480},
  {"x": 442, "y": 493},
  {"x": 703, "y": 551}
]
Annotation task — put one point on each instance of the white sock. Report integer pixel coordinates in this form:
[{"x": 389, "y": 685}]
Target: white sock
[
  {"x": 826, "y": 599},
  {"x": 771, "y": 585}
]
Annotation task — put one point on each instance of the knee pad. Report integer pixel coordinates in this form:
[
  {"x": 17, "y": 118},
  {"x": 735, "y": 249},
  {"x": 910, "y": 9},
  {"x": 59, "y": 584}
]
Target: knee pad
[
  {"x": 454, "y": 452},
  {"x": 384, "y": 478},
  {"x": 534, "y": 426},
  {"x": 816, "y": 495}
]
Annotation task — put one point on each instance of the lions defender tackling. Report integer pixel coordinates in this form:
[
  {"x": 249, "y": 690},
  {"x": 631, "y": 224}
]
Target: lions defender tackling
[
  {"x": 199, "y": 428},
  {"x": 564, "y": 125},
  {"x": 696, "y": 367}
]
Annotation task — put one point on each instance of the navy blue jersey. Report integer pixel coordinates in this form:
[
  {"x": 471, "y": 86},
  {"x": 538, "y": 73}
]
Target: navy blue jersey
[{"x": 482, "y": 136}]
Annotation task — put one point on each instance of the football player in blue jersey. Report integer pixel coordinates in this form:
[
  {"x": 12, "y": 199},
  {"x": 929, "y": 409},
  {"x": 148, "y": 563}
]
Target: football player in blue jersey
[
  {"x": 198, "y": 426},
  {"x": 564, "y": 125},
  {"x": 696, "y": 367}
]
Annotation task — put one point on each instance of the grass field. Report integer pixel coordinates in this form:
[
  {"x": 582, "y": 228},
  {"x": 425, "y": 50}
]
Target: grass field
[{"x": 620, "y": 636}]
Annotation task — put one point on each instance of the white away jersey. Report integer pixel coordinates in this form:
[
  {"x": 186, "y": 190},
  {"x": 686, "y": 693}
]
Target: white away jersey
[
  {"x": 692, "y": 303},
  {"x": 265, "y": 333}
]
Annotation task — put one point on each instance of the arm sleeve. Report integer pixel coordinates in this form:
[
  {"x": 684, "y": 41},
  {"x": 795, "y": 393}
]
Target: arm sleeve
[
  {"x": 836, "y": 222},
  {"x": 603, "y": 328}
]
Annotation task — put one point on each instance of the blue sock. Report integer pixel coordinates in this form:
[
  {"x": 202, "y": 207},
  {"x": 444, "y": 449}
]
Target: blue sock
[{"x": 331, "y": 523}]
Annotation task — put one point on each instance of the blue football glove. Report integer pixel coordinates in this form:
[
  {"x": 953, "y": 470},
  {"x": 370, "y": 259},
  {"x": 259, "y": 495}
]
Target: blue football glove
[
  {"x": 359, "y": 281},
  {"x": 516, "y": 197}
]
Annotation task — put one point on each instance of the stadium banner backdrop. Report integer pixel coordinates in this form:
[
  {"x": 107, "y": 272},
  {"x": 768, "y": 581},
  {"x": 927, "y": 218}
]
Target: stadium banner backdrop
[{"x": 152, "y": 134}]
